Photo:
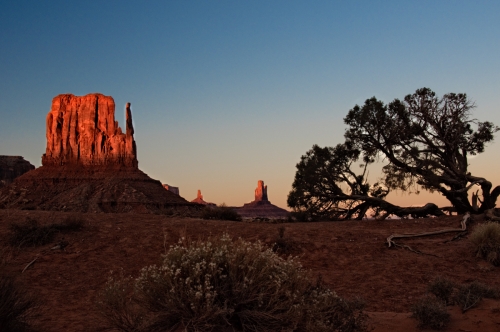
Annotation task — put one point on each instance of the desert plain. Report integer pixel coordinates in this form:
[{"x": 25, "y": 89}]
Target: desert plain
[{"x": 351, "y": 257}]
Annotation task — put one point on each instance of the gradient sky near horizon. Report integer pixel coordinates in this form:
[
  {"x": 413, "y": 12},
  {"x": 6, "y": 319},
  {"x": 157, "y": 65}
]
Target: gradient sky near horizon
[{"x": 226, "y": 93}]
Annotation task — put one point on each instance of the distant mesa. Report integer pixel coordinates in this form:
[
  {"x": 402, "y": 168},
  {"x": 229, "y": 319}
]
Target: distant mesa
[
  {"x": 12, "y": 167},
  {"x": 89, "y": 165},
  {"x": 199, "y": 200},
  {"x": 172, "y": 189},
  {"x": 261, "y": 207}
]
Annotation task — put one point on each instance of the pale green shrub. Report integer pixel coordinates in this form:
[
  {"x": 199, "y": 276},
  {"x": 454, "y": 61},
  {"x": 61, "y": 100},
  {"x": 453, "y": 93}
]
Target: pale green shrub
[{"x": 220, "y": 284}]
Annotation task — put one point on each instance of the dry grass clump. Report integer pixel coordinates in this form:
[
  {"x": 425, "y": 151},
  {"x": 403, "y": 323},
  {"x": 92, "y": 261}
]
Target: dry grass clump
[
  {"x": 221, "y": 212},
  {"x": 221, "y": 285},
  {"x": 31, "y": 234},
  {"x": 486, "y": 240},
  {"x": 442, "y": 288},
  {"x": 430, "y": 313},
  {"x": 468, "y": 296},
  {"x": 17, "y": 306}
]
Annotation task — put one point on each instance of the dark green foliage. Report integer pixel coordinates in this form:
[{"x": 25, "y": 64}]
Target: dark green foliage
[
  {"x": 426, "y": 141},
  {"x": 442, "y": 288},
  {"x": 31, "y": 234},
  {"x": 221, "y": 212},
  {"x": 326, "y": 186},
  {"x": 430, "y": 313}
]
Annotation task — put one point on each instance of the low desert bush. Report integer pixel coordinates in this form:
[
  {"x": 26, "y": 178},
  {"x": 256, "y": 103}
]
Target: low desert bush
[
  {"x": 442, "y": 288},
  {"x": 486, "y": 240},
  {"x": 430, "y": 313},
  {"x": 17, "y": 306},
  {"x": 300, "y": 216},
  {"x": 469, "y": 296},
  {"x": 221, "y": 212},
  {"x": 221, "y": 285},
  {"x": 31, "y": 234},
  {"x": 283, "y": 244}
]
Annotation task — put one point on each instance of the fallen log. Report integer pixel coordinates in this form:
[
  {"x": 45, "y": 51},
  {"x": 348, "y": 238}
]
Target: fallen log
[{"x": 390, "y": 239}]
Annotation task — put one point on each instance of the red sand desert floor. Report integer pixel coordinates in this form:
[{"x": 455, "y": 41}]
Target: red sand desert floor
[{"x": 352, "y": 258}]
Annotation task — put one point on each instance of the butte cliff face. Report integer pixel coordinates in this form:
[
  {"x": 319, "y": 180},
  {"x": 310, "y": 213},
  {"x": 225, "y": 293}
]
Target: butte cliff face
[
  {"x": 89, "y": 165},
  {"x": 83, "y": 130},
  {"x": 12, "y": 167}
]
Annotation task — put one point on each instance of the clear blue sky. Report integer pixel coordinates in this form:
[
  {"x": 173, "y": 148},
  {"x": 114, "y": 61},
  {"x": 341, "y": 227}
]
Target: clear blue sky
[{"x": 225, "y": 93}]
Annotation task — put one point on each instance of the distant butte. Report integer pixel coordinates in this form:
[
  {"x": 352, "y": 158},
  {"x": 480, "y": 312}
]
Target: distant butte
[
  {"x": 89, "y": 164},
  {"x": 199, "y": 199},
  {"x": 261, "y": 207}
]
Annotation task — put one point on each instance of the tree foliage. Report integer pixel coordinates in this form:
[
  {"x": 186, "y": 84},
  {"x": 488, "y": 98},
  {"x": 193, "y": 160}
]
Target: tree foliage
[
  {"x": 425, "y": 142},
  {"x": 325, "y": 184}
]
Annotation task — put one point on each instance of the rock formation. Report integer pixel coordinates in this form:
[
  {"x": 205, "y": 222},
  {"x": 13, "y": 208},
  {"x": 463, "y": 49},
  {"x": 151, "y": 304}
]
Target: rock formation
[
  {"x": 261, "y": 192},
  {"x": 261, "y": 207},
  {"x": 89, "y": 165},
  {"x": 172, "y": 189},
  {"x": 11, "y": 167},
  {"x": 83, "y": 130},
  {"x": 199, "y": 199}
]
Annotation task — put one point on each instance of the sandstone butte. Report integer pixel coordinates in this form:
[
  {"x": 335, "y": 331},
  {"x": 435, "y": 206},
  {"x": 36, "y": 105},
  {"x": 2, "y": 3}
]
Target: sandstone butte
[
  {"x": 89, "y": 165},
  {"x": 261, "y": 207},
  {"x": 83, "y": 130}
]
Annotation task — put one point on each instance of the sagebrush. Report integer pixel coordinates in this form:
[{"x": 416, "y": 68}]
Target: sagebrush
[{"x": 221, "y": 285}]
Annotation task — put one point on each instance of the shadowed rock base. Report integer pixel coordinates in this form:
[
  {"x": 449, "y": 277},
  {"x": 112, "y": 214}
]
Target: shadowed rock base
[
  {"x": 11, "y": 167},
  {"x": 89, "y": 189}
]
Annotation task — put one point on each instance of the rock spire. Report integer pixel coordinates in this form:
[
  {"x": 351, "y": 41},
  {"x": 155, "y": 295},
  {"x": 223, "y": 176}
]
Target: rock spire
[
  {"x": 82, "y": 130},
  {"x": 261, "y": 192}
]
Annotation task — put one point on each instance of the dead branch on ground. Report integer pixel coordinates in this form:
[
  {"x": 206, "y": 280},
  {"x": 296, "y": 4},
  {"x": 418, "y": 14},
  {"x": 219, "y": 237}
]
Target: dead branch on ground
[{"x": 390, "y": 239}]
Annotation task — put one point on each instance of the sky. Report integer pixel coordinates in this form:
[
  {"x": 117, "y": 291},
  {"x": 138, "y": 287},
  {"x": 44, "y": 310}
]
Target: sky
[{"x": 226, "y": 93}]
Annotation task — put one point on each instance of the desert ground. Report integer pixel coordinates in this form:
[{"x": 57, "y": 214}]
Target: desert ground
[{"x": 351, "y": 257}]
